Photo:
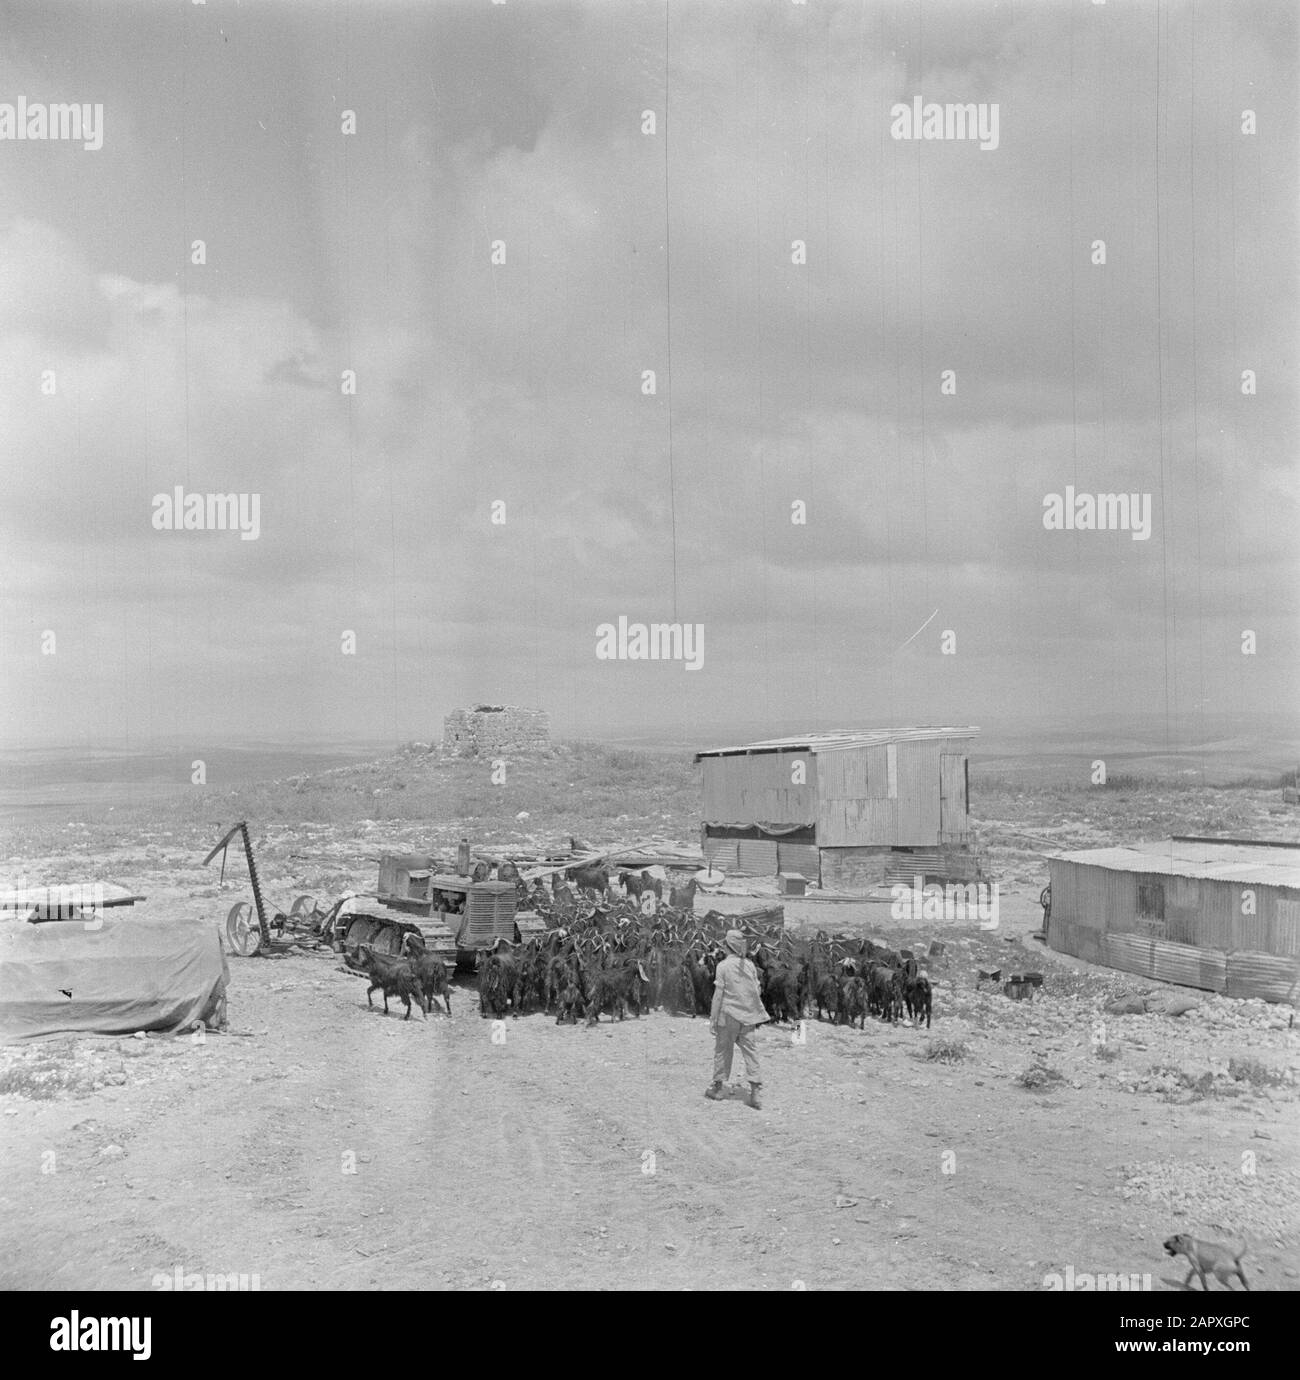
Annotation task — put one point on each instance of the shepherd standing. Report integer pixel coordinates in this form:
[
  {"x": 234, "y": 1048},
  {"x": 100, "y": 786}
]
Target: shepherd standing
[{"x": 737, "y": 1012}]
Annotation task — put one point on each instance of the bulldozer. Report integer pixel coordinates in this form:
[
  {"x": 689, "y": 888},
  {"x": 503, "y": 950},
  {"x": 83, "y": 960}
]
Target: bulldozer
[{"x": 454, "y": 915}]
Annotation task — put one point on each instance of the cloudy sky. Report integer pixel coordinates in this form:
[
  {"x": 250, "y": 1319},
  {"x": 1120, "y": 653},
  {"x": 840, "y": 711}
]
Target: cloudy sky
[{"x": 521, "y": 382}]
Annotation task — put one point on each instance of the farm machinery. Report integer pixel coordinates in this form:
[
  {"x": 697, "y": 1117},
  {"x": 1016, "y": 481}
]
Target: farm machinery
[
  {"x": 249, "y": 932},
  {"x": 454, "y": 915},
  {"x": 445, "y": 913}
]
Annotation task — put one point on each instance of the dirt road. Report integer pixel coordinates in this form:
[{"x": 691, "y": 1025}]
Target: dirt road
[{"x": 338, "y": 1148}]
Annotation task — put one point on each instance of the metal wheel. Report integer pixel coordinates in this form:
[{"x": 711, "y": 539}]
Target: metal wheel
[
  {"x": 304, "y": 905},
  {"x": 241, "y": 930}
]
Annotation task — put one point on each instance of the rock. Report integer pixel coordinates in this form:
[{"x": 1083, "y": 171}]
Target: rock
[
  {"x": 111, "y": 1152},
  {"x": 1175, "y": 1005}
]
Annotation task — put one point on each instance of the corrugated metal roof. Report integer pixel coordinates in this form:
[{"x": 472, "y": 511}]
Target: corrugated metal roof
[
  {"x": 839, "y": 740},
  {"x": 1267, "y": 865}
]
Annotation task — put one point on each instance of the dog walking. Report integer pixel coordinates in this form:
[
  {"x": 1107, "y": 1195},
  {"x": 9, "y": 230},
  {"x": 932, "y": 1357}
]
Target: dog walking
[{"x": 737, "y": 1012}]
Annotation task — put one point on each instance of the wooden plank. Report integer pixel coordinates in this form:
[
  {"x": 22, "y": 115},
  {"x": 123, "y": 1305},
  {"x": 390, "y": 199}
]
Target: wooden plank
[
  {"x": 67, "y": 895},
  {"x": 640, "y": 855}
]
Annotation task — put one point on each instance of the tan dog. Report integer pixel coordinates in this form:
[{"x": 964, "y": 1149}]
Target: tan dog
[{"x": 1208, "y": 1257}]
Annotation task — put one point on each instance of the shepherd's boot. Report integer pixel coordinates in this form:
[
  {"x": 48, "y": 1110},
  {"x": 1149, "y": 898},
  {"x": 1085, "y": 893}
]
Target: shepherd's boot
[
  {"x": 714, "y": 1092},
  {"x": 753, "y": 1099}
]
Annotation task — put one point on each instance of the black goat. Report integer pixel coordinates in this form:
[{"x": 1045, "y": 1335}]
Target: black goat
[
  {"x": 918, "y": 996},
  {"x": 853, "y": 1001},
  {"x": 395, "y": 977},
  {"x": 432, "y": 974},
  {"x": 498, "y": 976},
  {"x": 779, "y": 985},
  {"x": 615, "y": 989},
  {"x": 827, "y": 996},
  {"x": 884, "y": 991}
]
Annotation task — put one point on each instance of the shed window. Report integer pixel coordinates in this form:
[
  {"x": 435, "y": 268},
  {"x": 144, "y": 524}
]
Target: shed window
[{"x": 1151, "y": 900}]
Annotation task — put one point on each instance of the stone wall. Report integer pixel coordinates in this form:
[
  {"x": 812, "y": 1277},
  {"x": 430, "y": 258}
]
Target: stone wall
[
  {"x": 488, "y": 729},
  {"x": 855, "y": 869}
]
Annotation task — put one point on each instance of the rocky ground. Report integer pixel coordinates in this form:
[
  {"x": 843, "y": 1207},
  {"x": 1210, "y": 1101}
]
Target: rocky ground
[{"x": 320, "y": 1144}]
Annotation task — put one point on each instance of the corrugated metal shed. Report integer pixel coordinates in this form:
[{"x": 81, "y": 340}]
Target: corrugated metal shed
[
  {"x": 721, "y": 853},
  {"x": 1225, "y": 862},
  {"x": 1265, "y": 976},
  {"x": 1082, "y": 941},
  {"x": 839, "y": 740},
  {"x": 1183, "y": 964},
  {"x": 860, "y": 801},
  {"x": 1130, "y": 953},
  {"x": 854, "y": 789},
  {"x": 1216, "y": 914},
  {"x": 803, "y": 858},
  {"x": 1188, "y": 966},
  {"x": 748, "y": 790},
  {"x": 757, "y": 858}
]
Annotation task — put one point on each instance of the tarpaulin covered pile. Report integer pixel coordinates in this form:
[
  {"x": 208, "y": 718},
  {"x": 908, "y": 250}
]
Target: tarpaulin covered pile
[{"x": 118, "y": 976}]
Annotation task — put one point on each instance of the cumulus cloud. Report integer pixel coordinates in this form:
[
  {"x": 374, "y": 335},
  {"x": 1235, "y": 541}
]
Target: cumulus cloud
[{"x": 523, "y": 382}]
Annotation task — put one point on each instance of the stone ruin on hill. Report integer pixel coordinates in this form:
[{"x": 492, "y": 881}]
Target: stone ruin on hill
[{"x": 489, "y": 728}]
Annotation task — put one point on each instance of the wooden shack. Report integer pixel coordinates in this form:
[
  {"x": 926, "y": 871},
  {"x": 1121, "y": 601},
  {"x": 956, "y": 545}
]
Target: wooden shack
[{"x": 848, "y": 810}]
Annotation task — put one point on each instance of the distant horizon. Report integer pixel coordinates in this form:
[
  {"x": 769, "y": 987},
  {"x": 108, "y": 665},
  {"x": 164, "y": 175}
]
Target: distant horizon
[
  {"x": 1256, "y": 750},
  {"x": 1187, "y": 731}
]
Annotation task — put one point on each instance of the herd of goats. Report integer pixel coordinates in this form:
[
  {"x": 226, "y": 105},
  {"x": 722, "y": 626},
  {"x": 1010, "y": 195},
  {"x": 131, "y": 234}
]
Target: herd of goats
[{"x": 608, "y": 951}]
